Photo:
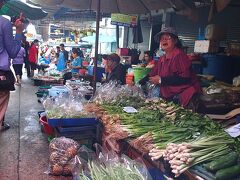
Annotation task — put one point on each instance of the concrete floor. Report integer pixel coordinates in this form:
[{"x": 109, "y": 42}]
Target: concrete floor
[{"x": 23, "y": 148}]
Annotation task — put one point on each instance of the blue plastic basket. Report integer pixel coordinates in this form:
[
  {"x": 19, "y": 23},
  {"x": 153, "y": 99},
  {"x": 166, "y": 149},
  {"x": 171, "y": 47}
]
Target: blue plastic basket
[{"x": 66, "y": 122}]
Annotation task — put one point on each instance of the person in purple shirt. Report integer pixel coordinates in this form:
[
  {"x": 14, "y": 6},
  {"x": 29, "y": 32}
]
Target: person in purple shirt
[
  {"x": 9, "y": 48},
  {"x": 17, "y": 63}
]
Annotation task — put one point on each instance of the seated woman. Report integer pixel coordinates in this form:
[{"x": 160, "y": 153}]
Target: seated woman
[
  {"x": 74, "y": 66},
  {"x": 173, "y": 71},
  {"x": 148, "y": 59},
  {"x": 114, "y": 69}
]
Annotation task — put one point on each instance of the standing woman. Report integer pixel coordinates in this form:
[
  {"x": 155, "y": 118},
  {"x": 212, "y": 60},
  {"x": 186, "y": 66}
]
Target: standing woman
[
  {"x": 33, "y": 56},
  {"x": 18, "y": 65},
  {"x": 9, "y": 48},
  {"x": 26, "y": 46}
]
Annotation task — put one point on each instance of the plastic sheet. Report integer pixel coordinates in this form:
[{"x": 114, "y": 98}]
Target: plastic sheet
[{"x": 119, "y": 95}]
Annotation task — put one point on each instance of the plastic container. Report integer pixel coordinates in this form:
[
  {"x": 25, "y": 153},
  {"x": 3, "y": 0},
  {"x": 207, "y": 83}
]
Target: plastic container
[
  {"x": 129, "y": 79},
  {"x": 46, "y": 128},
  {"x": 38, "y": 82},
  {"x": 41, "y": 93},
  {"x": 56, "y": 90},
  {"x": 100, "y": 71},
  {"x": 72, "y": 122},
  {"x": 140, "y": 72},
  {"x": 84, "y": 135},
  {"x": 220, "y": 66}
]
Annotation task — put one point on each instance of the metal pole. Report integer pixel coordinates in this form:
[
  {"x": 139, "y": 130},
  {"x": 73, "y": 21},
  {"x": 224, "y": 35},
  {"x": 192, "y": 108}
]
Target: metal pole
[
  {"x": 96, "y": 46},
  {"x": 117, "y": 35}
]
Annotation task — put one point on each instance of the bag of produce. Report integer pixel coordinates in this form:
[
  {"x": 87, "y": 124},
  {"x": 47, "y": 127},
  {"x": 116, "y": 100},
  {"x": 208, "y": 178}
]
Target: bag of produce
[
  {"x": 108, "y": 165},
  {"x": 62, "y": 150}
]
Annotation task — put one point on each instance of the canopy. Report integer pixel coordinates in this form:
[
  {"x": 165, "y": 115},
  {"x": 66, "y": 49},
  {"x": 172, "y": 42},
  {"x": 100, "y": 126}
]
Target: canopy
[{"x": 15, "y": 7}]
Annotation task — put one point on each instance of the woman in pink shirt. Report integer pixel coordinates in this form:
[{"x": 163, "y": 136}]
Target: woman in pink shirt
[{"x": 173, "y": 71}]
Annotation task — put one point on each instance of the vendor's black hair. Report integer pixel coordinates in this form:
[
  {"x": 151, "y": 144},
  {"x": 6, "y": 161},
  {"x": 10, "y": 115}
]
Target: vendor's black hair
[
  {"x": 104, "y": 56},
  {"x": 114, "y": 57},
  {"x": 75, "y": 51},
  {"x": 61, "y": 45},
  {"x": 149, "y": 53}
]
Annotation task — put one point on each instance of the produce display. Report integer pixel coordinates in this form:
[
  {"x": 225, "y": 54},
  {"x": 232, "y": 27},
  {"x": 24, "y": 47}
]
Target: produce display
[
  {"x": 164, "y": 130},
  {"x": 158, "y": 129}
]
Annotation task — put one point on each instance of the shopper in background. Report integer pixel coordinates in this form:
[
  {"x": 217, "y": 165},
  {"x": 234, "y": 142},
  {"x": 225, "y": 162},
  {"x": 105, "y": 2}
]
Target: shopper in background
[
  {"x": 9, "y": 48},
  {"x": 26, "y": 46},
  {"x": 173, "y": 71},
  {"x": 58, "y": 51},
  {"x": 148, "y": 59},
  {"x": 33, "y": 56},
  {"x": 115, "y": 70},
  {"x": 62, "y": 59},
  {"x": 18, "y": 65}
]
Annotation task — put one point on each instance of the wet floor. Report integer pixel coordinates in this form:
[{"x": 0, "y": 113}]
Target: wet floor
[{"x": 23, "y": 148}]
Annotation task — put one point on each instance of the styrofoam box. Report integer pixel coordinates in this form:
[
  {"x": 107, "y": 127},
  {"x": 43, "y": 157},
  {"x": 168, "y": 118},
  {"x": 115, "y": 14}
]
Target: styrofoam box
[{"x": 206, "y": 46}]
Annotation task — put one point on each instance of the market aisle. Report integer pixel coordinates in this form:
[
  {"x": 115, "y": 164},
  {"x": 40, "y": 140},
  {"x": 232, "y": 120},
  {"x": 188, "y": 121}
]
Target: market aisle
[{"x": 23, "y": 148}]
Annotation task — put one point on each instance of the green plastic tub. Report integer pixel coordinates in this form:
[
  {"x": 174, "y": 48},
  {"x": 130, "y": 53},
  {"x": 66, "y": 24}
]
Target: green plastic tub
[{"x": 140, "y": 72}]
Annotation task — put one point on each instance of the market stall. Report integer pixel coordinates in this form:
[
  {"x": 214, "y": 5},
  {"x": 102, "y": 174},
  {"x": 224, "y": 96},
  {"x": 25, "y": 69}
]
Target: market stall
[{"x": 163, "y": 135}]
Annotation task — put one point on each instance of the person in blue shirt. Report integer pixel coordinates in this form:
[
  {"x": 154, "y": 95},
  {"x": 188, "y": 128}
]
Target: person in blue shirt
[
  {"x": 76, "y": 63},
  {"x": 74, "y": 66}
]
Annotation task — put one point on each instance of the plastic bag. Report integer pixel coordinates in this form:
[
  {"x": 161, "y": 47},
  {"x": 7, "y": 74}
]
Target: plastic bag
[
  {"x": 62, "y": 150},
  {"x": 65, "y": 107},
  {"x": 109, "y": 165},
  {"x": 119, "y": 95}
]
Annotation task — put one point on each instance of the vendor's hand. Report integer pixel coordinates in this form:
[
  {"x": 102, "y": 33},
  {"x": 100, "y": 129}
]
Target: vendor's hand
[
  {"x": 155, "y": 79},
  {"x": 19, "y": 24}
]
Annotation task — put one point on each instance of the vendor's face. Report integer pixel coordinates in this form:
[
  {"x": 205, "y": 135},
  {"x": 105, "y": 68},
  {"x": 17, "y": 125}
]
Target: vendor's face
[
  {"x": 74, "y": 55},
  {"x": 146, "y": 57},
  {"x": 110, "y": 64},
  {"x": 167, "y": 43}
]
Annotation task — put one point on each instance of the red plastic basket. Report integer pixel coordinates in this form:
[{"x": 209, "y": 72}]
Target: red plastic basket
[{"x": 46, "y": 128}]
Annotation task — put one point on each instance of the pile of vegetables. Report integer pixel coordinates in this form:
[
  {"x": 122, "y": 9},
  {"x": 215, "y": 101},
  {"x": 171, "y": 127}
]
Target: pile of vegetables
[
  {"x": 111, "y": 171},
  {"x": 225, "y": 167},
  {"x": 185, "y": 155},
  {"x": 167, "y": 130}
]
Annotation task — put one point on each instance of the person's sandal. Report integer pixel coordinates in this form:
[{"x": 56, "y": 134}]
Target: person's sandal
[{"x": 5, "y": 127}]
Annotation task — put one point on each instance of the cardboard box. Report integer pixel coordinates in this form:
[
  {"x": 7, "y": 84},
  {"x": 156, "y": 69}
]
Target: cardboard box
[
  {"x": 215, "y": 32},
  {"x": 206, "y": 46}
]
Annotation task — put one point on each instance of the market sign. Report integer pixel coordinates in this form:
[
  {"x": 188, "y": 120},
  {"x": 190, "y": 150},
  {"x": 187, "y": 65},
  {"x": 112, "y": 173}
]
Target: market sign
[{"x": 123, "y": 20}]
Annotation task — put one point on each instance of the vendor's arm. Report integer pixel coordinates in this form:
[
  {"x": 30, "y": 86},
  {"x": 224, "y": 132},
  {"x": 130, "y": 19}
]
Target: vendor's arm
[{"x": 74, "y": 67}]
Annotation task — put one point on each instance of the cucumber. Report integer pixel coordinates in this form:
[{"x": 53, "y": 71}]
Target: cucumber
[
  {"x": 228, "y": 173},
  {"x": 223, "y": 162}
]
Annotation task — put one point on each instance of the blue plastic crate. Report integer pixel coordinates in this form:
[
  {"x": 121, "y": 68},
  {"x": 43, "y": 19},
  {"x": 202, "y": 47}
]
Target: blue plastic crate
[
  {"x": 76, "y": 129},
  {"x": 66, "y": 122}
]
